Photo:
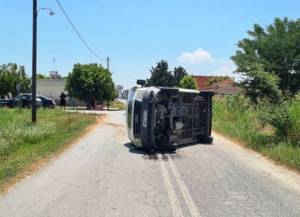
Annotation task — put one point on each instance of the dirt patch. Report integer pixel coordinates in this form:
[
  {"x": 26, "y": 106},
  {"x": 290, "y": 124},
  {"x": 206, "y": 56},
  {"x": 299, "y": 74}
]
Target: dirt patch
[{"x": 10, "y": 183}]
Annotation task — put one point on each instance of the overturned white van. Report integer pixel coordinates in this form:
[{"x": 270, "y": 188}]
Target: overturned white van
[{"x": 164, "y": 118}]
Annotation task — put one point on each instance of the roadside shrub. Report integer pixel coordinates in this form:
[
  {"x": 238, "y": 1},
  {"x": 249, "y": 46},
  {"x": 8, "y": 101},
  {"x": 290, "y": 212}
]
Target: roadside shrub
[
  {"x": 236, "y": 117},
  {"x": 284, "y": 118},
  {"x": 4, "y": 146},
  {"x": 294, "y": 112},
  {"x": 271, "y": 129}
]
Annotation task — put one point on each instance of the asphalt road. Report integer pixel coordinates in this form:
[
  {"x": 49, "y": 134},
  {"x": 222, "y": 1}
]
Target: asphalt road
[{"x": 103, "y": 175}]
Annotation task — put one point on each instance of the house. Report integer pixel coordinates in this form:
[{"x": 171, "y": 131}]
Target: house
[
  {"x": 53, "y": 88},
  {"x": 54, "y": 75},
  {"x": 203, "y": 81},
  {"x": 50, "y": 88},
  {"x": 220, "y": 85}
]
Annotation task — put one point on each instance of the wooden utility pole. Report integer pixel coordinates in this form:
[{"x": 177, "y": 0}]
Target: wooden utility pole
[{"x": 34, "y": 61}]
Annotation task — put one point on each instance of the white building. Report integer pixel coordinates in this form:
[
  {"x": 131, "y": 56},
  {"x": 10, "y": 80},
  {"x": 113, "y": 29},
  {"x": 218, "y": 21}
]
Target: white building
[{"x": 51, "y": 88}]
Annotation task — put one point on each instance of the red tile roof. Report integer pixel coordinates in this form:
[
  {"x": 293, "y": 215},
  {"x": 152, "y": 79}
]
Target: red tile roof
[
  {"x": 221, "y": 87},
  {"x": 202, "y": 81}
]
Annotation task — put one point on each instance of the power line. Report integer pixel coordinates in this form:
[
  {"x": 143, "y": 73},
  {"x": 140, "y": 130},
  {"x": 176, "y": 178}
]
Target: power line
[{"x": 78, "y": 33}]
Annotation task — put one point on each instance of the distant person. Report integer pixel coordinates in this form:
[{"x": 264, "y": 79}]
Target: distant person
[{"x": 63, "y": 100}]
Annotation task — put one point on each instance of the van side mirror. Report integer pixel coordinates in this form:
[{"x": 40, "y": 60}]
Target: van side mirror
[{"x": 141, "y": 82}]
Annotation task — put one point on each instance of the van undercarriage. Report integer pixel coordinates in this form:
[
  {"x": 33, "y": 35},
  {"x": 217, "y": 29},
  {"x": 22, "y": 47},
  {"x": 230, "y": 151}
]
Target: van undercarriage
[{"x": 164, "y": 118}]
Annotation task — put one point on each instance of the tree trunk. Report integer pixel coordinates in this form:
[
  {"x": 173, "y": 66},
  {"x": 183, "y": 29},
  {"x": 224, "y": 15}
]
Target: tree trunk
[
  {"x": 88, "y": 105},
  {"x": 107, "y": 104}
]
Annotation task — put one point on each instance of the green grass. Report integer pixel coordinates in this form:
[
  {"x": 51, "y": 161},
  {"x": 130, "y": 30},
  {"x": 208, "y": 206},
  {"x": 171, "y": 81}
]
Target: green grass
[
  {"x": 236, "y": 118},
  {"x": 21, "y": 143}
]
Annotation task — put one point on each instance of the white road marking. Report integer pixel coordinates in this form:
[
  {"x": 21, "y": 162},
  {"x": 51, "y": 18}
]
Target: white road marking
[
  {"x": 184, "y": 190},
  {"x": 175, "y": 206}
]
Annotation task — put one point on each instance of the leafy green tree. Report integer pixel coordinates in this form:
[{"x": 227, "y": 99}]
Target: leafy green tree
[
  {"x": 277, "y": 52},
  {"x": 179, "y": 73},
  {"x": 11, "y": 76},
  {"x": 4, "y": 83},
  {"x": 261, "y": 85},
  {"x": 188, "y": 82},
  {"x": 109, "y": 91},
  {"x": 90, "y": 82},
  {"x": 161, "y": 76},
  {"x": 41, "y": 76}
]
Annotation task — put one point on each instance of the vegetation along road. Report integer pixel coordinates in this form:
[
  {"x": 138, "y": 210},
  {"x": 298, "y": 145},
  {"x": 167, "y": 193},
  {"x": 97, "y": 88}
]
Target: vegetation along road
[
  {"x": 22, "y": 144},
  {"x": 103, "y": 175}
]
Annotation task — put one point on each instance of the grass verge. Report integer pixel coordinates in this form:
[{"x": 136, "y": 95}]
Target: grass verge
[
  {"x": 118, "y": 105},
  {"x": 238, "y": 120},
  {"x": 22, "y": 144}
]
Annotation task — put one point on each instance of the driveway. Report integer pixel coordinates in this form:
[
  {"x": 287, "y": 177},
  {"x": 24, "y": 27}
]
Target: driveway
[{"x": 103, "y": 175}]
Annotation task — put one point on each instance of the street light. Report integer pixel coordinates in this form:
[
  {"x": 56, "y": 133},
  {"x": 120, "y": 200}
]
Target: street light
[
  {"x": 51, "y": 13},
  {"x": 35, "y": 13}
]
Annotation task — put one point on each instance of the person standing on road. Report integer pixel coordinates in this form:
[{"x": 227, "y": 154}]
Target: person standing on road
[{"x": 63, "y": 100}]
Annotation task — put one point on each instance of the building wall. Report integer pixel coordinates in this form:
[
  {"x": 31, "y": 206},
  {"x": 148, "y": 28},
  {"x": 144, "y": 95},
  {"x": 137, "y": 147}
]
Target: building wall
[{"x": 51, "y": 88}]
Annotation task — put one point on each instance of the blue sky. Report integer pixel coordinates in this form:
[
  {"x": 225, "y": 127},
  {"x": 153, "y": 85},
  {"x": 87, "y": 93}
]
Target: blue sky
[{"x": 200, "y": 35}]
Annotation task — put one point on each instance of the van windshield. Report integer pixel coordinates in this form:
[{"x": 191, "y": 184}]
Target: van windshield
[{"x": 129, "y": 106}]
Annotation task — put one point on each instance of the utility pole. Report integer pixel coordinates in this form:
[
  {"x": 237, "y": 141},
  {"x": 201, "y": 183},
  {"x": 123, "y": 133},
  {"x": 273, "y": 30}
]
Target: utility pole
[
  {"x": 34, "y": 57},
  {"x": 35, "y": 12},
  {"x": 54, "y": 63},
  {"x": 107, "y": 63}
]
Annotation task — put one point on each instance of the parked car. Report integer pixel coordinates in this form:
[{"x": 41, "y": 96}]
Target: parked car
[
  {"x": 3, "y": 102},
  {"x": 24, "y": 101},
  {"x": 47, "y": 102}
]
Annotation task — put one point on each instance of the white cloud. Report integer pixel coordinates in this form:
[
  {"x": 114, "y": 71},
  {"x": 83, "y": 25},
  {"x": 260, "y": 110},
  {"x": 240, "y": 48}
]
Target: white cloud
[
  {"x": 198, "y": 56},
  {"x": 202, "y": 62},
  {"x": 223, "y": 68}
]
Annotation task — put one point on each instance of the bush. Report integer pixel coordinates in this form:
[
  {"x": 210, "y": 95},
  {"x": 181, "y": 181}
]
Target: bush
[
  {"x": 294, "y": 132},
  {"x": 188, "y": 82},
  {"x": 273, "y": 130},
  {"x": 284, "y": 118},
  {"x": 235, "y": 116}
]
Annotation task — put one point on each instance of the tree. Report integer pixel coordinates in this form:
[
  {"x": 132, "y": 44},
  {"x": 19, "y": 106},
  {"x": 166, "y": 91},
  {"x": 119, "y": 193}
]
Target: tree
[
  {"x": 4, "y": 82},
  {"x": 41, "y": 76},
  {"x": 161, "y": 76},
  {"x": 90, "y": 82},
  {"x": 261, "y": 85},
  {"x": 109, "y": 91},
  {"x": 12, "y": 78},
  {"x": 277, "y": 52},
  {"x": 188, "y": 82},
  {"x": 179, "y": 73}
]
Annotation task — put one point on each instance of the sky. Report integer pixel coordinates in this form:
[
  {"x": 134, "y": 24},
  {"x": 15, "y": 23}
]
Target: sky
[{"x": 200, "y": 35}]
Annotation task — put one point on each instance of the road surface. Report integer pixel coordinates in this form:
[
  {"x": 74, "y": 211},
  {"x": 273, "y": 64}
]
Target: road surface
[{"x": 103, "y": 175}]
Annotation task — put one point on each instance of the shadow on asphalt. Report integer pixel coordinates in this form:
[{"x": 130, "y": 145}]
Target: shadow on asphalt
[{"x": 155, "y": 155}]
